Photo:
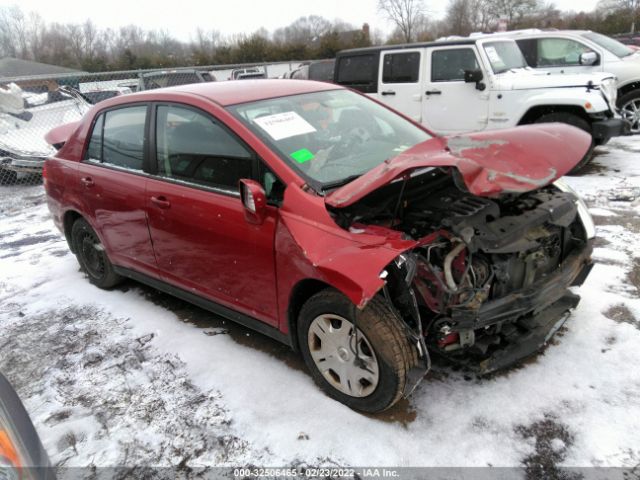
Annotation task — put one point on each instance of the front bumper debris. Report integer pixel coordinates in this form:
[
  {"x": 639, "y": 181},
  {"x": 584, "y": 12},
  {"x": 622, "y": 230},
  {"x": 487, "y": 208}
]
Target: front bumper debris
[
  {"x": 541, "y": 327},
  {"x": 603, "y": 130}
]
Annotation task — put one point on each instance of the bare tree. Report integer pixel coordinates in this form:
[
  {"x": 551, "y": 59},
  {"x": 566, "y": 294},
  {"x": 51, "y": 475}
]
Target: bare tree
[
  {"x": 405, "y": 14},
  {"x": 630, "y": 8}
]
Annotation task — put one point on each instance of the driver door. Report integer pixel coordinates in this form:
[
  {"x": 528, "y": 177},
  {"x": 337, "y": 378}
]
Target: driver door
[{"x": 450, "y": 105}]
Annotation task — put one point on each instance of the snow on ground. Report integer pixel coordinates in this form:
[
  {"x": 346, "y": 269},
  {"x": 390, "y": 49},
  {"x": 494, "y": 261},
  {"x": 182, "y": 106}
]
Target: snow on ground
[{"x": 134, "y": 377}]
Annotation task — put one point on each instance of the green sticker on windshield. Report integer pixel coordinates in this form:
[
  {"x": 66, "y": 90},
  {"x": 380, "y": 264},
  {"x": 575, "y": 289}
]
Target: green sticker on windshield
[{"x": 301, "y": 156}]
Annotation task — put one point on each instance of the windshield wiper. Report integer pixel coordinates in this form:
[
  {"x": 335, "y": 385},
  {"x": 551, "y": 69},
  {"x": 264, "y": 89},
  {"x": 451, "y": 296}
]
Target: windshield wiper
[{"x": 339, "y": 183}]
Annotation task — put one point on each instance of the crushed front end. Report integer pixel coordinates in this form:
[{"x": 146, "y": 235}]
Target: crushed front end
[{"x": 487, "y": 283}]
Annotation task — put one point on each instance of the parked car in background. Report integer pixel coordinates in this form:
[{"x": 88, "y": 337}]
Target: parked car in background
[
  {"x": 252, "y": 73},
  {"x": 479, "y": 83},
  {"x": 327, "y": 221},
  {"x": 319, "y": 70},
  {"x": 584, "y": 51},
  {"x": 24, "y": 120},
  {"x": 171, "y": 78}
]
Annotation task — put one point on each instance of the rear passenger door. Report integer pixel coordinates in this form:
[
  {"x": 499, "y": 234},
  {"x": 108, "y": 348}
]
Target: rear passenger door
[
  {"x": 202, "y": 242},
  {"x": 399, "y": 82},
  {"x": 111, "y": 183}
]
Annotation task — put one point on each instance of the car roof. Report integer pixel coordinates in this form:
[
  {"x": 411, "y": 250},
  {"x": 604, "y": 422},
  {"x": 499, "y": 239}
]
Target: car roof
[
  {"x": 233, "y": 92},
  {"x": 403, "y": 46}
]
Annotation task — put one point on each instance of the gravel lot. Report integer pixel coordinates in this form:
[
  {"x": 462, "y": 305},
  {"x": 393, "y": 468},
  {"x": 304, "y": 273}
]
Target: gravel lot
[{"x": 133, "y": 377}]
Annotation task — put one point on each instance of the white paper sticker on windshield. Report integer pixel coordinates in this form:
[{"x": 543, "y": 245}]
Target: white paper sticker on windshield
[
  {"x": 284, "y": 125},
  {"x": 493, "y": 55}
]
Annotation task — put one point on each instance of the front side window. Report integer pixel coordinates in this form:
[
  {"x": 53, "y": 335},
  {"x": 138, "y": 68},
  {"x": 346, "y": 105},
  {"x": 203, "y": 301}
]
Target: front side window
[
  {"x": 118, "y": 137},
  {"x": 329, "y": 137},
  {"x": 191, "y": 146},
  {"x": 401, "y": 67},
  {"x": 449, "y": 65},
  {"x": 559, "y": 52}
]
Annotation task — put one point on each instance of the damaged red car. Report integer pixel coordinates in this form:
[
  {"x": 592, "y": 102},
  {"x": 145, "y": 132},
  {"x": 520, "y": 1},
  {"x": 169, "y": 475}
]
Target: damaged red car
[{"x": 328, "y": 221}]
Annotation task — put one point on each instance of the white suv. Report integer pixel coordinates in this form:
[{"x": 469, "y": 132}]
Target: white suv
[
  {"x": 583, "y": 51},
  {"x": 479, "y": 83}
]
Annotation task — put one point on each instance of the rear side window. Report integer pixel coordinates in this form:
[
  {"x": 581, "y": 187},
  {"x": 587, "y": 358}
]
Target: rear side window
[
  {"x": 449, "y": 65},
  {"x": 123, "y": 137},
  {"x": 118, "y": 137},
  {"x": 193, "y": 147},
  {"x": 401, "y": 67},
  {"x": 359, "y": 72},
  {"x": 94, "y": 150}
]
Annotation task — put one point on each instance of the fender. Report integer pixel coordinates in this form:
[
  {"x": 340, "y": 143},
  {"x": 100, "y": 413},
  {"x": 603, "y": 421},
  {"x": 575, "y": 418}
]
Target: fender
[{"x": 559, "y": 97}]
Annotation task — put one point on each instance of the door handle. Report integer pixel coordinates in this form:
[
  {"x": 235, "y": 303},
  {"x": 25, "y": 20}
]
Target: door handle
[
  {"x": 388, "y": 92},
  {"x": 433, "y": 92},
  {"x": 161, "y": 201},
  {"x": 87, "y": 182}
]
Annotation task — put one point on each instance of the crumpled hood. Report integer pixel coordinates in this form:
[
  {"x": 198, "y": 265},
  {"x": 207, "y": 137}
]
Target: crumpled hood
[
  {"x": 533, "y": 79},
  {"x": 515, "y": 160}
]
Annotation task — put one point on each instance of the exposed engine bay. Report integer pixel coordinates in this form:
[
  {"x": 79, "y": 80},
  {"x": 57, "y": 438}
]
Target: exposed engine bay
[{"x": 488, "y": 282}]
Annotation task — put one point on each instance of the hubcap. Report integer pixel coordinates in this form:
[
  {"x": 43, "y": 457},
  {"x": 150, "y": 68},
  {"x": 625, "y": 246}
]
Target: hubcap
[
  {"x": 332, "y": 343},
  {"x": 630, "y": 111}
]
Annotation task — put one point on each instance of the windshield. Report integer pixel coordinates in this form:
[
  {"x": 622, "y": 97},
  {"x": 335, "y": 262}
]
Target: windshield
[
  {"x": 330, "y": 137},
  {"x": 618, "y": 49},
  {"x": 504, "y": 56}
]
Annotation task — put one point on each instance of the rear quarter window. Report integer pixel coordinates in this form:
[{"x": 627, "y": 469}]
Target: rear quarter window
[{"x": 358, "y": 72}]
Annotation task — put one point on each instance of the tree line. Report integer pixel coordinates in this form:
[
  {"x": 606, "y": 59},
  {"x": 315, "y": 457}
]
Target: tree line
[{"x": 87, "y": 47}]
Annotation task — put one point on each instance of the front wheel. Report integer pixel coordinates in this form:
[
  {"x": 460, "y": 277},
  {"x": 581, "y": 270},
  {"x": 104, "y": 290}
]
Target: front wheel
[
  {"x": 91, "y": 255},
  {"x": 364, "y": 369},
  {"x": 574, "y": 121},
  {"x": 630, "y": 110}
]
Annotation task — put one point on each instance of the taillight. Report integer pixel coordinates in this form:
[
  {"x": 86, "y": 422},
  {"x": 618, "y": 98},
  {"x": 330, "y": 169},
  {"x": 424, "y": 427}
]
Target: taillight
[
  {"x": 9, "y": 460},
  {"x": 44, "y": 174}
]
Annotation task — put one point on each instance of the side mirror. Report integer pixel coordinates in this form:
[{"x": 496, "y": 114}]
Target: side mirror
[
  {"x": 588, "y": 58},
  {"x": 20, "y": 446},
  {"x": 254, "y": 200},
  {"x": 474, "y": 76}
]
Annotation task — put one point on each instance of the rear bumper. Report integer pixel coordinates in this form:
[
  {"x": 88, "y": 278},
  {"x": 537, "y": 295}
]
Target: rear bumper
[{"x": 603, "y": 130}]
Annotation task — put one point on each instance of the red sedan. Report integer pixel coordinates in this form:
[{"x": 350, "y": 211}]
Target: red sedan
[{"x": 328, "y": 221}]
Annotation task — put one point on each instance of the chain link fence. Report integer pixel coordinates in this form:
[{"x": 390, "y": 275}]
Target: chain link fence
[{"x": 30, "y": 106}]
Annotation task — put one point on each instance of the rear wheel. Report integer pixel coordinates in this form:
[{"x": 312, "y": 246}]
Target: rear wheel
[
  {"x": 630, "y": 110},
  {"x": 91, "y": 255},
  {"x": 366, "y": 370},
  {"x": 574, "y": 121}
]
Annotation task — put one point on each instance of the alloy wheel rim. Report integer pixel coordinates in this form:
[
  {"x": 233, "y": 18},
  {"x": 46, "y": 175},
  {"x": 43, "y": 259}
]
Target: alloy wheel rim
[
  {"x": 630, "y": 111},
  {"x": 332, "y": 344}
]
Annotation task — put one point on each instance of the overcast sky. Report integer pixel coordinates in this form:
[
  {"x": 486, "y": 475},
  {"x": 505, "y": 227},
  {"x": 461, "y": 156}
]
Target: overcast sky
[{"x": 182, "y": 17}]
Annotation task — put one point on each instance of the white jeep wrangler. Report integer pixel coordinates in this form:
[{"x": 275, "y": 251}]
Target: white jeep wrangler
[
  {"x": 479, "y": 83},
  {"x": 583, "y": 51}
]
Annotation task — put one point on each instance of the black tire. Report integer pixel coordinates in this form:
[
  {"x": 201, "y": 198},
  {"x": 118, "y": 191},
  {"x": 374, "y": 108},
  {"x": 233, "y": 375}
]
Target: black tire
[
  {"x": 383, "y": 331},
  {"x": 91, "y": 256},
  {"x": 574, "y": 121},
  {"x": 633, "y": 95}
]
